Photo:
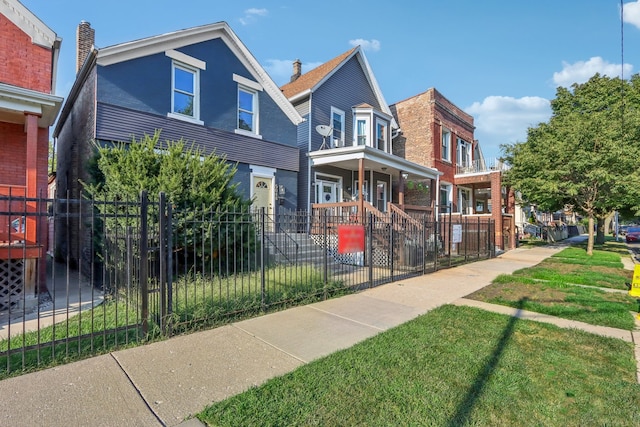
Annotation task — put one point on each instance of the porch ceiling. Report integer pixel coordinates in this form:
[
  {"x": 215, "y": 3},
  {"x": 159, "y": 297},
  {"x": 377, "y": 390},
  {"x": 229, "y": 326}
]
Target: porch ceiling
[
  {"x": 374, "y": 159},
  {"x": 15, "y": 102}
]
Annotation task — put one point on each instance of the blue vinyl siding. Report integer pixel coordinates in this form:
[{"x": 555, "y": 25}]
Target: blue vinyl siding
[
  {"x": 144, "y": 84},
  {"x": 120, "y": 124},
  {"x": 344, "y": 90}
]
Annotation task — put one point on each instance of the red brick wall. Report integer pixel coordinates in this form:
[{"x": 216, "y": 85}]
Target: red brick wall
[
  {"x": 22, "y": 63},
  {"x": 14, "y": 150},
  {"x": 421, "y": 119}
]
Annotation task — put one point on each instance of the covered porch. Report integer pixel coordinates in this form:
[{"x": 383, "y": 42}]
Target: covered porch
[{"x": 362, "y": 178}]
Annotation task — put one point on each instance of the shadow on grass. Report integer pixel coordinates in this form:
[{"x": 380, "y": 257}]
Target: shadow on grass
[{"x": 465, "y": 408}]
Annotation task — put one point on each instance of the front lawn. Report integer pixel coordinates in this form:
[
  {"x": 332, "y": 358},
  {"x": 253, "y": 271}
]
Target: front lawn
[{"x": 453, "y": 366}]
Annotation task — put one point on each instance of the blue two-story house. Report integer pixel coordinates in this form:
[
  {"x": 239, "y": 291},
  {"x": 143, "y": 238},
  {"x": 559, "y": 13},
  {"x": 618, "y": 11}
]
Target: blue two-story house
[
  {"x": 346, "y": 140},
  {"x": 201, "y": 85}
]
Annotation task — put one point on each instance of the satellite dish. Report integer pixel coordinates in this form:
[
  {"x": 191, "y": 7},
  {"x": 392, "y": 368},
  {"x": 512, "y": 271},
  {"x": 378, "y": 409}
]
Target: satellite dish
[{"x": 324, "y": 130}]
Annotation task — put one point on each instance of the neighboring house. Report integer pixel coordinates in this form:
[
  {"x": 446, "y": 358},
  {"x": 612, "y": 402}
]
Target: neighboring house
[
  {"x": 438, "y": 134},
  {"x": 199, "y": 84},
  {"x": 28, "y": 61},
  {"x": 346, "y": 141}
]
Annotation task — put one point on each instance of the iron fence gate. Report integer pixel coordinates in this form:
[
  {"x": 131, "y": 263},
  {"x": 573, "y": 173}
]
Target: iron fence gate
[{"x": 115, "y": 273}]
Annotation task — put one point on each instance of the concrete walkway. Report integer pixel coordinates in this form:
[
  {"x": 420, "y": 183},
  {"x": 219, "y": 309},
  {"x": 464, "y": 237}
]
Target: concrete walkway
[{"x": 164, "y": 383}]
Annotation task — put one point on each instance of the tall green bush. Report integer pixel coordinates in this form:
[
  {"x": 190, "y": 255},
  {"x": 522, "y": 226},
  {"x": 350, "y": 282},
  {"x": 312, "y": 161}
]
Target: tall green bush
[{"x": 199, "y": 187}]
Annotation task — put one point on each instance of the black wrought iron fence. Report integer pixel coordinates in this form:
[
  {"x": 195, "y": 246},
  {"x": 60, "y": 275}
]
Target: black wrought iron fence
[{"x": 116, "y": 273}]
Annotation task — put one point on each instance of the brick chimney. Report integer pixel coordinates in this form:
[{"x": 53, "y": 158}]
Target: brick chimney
[
  {"x": 297, "y": 70},
  {"x": 85, "y": 39}
]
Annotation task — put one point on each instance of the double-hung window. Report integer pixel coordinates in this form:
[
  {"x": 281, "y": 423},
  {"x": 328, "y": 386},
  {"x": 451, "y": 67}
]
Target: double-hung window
[
  {"x": 446, "y": 145},
  {"x": 337, "y": 123},
  {"x": 246, "y": 109},
  {"x": 248, "y": 117},
  {"x": 381, "y": 135},
  {"x": 361, "y": 131},
  {"x": 185, "y": 86},
  {"x": 464, "y": 153}
]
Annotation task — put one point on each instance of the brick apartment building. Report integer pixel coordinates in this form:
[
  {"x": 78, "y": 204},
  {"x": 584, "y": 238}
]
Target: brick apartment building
[
  {"x": 438, "y": 134},
  {"x": 28, "y": 59}
]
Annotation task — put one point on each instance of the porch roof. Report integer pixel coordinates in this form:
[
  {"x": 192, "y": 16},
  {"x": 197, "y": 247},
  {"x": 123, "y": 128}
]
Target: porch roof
[
  {"x": 16, "y": 101},
  {"x": 374, "y": 159}
]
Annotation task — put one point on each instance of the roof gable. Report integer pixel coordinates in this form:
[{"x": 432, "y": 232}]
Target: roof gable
[
  {"x": 312, "y": 80},
  {"x": 29, "y": 23},
  {"x": 169, "y": 41}
]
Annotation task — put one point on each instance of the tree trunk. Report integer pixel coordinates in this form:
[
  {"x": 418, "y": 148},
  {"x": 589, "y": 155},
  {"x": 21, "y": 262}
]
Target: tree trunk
[
  {"x": 600, "y": 232},
  {"x": 590, "y": 239}
]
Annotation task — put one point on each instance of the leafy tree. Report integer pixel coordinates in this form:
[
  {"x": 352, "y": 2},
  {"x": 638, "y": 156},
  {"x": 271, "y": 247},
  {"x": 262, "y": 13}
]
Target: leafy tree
[
  {"x": 207, "y": 207},
  {"x": 587, "y": 154}
]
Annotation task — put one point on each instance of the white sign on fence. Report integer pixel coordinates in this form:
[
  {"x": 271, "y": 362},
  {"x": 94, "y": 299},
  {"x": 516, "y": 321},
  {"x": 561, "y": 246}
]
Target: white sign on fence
[{"x": 457, "y": 233}]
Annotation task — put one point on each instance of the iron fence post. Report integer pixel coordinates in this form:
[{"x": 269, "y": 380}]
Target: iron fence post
[
  {"x": 325, "y": 262},
  {"x": 144, "y": 265},
  {"x": 162, "y": 225},
  {"x": 450, "y": 231},
  {"x": 169, "y": 264},
  {"x": 391, "y": 243},
  {"x": 370, "y": 249},
  {"x": 262, "y": 266}
]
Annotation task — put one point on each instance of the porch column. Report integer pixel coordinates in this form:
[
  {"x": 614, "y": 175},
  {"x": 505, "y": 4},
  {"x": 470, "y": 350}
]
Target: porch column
[
  {"x": 360, "y": 189},
  {"x": 511, "y": 209},
  {"x": 496, "y": 207},
  {"x": 401, "y": 190},
  {"x": 31, "y": 153}
]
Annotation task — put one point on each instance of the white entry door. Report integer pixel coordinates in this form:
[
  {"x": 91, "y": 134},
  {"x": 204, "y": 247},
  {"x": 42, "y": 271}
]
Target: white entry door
[
  {"x": 263, "y": 194},
  {"x": 327, "y": 192}
]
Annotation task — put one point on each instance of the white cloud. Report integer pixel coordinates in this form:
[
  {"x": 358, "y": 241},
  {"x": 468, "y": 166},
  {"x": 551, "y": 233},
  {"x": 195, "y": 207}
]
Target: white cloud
[
  {"x": 250, "y": 15},
  {"x": 631, "y": 13},
  {"x": 582, "y": 71},
  {"x": 505, "y": 120},
  {"x": 367, "y": 45},
  {"x": 281, "y": 70}
]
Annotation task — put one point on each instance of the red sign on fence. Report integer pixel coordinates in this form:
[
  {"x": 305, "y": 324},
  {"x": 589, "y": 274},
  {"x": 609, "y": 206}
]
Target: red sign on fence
[{"x": 350, "y": 239}]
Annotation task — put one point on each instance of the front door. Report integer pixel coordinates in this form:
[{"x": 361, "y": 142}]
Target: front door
[
  {"x": 328, "y": 191},
  {"x": 381, "y": 196},
  {"x": 263, "y": 194}
]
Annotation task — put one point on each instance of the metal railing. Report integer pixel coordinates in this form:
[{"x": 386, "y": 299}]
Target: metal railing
[
  {"x": 131, "y": 271},
  {"x": 482, "y": 166}
]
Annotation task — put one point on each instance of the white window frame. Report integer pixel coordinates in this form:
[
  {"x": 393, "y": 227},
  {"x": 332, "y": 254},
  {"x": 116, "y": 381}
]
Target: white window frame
[
  {"x": 192, "y": 65},
  {"x": 340, "y": 113},
  {"x": 254, "y": 88},
  {"x": 468, "y": 208},
  {"x": 463, "y": 145},
  {"x": 385, "y": 135},
  {"x": 446, "y": 145},
  {"x": 357, "y": 135},
  {"x": 252, "y": 112}
]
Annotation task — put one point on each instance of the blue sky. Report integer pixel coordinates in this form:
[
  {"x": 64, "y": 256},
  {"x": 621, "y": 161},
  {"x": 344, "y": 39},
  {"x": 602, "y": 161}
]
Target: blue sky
[{"x": 499, "y": 60}]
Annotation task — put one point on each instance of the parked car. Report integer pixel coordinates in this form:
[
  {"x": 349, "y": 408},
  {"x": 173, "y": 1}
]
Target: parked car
[
  {"x": 622, "y": 230},
  {"x": 633, "y": 235}
]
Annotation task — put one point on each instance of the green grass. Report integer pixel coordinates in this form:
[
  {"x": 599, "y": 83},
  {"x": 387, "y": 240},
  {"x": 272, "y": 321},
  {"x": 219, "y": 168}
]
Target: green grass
[
  {"x": 589, "y": 305},
  {"x": 453, "y": 366},
  {"x": 614, "y": 279},
  {"x": 550, "y": 288},
  {"x": 198, "y": 302}
]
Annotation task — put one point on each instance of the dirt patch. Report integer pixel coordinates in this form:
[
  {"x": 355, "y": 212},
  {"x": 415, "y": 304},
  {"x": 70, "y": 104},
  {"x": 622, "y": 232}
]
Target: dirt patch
[{"x": 519, "y": 291}]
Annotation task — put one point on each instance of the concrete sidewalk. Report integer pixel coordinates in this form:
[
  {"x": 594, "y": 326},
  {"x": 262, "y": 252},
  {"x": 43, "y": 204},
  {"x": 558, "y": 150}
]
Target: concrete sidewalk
[{"x": 164, "y": 383}]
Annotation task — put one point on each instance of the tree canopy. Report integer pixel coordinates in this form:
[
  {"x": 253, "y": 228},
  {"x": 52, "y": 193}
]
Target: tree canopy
[{"x": 587, "y": 155}]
